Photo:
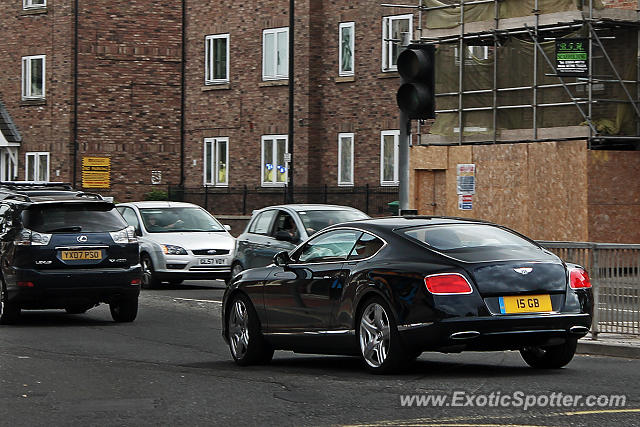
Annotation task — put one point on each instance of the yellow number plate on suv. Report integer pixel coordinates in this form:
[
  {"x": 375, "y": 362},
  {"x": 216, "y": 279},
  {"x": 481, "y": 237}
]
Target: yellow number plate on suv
[
  {"x": 81, "y": 255},
  {"x": 525, "y": 304}
]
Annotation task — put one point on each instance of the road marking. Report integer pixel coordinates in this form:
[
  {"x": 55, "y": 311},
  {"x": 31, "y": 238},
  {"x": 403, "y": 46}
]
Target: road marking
[
  {"x": 198, "y": 300},
  {"x": 455, "y": 422},
  {"x": 602, "y": 411}
]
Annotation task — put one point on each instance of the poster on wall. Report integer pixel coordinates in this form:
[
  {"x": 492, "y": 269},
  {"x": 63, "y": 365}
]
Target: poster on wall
[
  {"x": 96, "y": 172},
  {"x": 572, "y": 57},
  {"x": 466, "y": 178},
  {"x": 465, "y": 202}
]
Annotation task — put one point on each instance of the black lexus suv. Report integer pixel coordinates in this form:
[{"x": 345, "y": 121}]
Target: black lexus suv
[{"x": 68, "y": 252}]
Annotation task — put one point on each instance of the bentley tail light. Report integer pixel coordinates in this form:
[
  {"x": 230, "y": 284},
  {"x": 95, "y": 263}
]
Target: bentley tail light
[
  {"x": 447, "y": 284},
  {"x": 579, "y": 279}
]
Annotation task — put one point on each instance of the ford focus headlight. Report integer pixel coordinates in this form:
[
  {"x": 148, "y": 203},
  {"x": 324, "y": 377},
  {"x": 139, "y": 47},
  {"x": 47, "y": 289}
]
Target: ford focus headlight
[{"x": 173, "y": 250}]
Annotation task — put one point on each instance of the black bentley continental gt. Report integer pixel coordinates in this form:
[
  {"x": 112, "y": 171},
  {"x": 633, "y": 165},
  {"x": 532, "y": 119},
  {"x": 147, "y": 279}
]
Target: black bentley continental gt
[{"x": 388, "y": 289}]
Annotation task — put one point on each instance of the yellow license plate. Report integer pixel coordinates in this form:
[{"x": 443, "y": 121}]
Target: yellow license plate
[
  {"x": 525, "y": 304},
  {"x": 81, "y": 255}
]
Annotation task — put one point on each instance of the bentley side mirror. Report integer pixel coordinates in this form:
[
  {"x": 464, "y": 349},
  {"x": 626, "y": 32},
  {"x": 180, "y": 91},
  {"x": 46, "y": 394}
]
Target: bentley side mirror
[{"x": 282, "y": 259}]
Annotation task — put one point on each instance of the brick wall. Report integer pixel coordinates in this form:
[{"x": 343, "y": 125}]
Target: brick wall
[
  {"x": 44, "y": 125},
  {"x": 129, "y": 55},
  {"x": 129, "y": 91},
  {"x": 621, "y": 4},
  {"x": 324, "y": 104}
]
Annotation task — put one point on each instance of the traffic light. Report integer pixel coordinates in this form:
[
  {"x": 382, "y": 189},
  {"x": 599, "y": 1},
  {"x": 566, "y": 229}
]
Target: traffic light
[{"x": 416, "y": 96}]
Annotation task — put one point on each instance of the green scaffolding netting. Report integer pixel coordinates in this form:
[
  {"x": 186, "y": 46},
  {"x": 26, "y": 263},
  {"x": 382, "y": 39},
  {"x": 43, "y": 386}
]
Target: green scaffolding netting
[
  {"x": 515, "y": 69},
  {"x": 450, "y": 17}
]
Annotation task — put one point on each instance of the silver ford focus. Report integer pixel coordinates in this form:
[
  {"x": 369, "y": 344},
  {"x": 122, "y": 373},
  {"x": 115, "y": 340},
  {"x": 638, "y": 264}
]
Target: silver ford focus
[{"x": 179, "y": 241}]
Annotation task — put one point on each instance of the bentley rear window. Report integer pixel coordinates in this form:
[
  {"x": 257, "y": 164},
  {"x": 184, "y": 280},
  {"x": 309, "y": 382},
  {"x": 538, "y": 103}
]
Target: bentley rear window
[{"x": 473, "y": 242}]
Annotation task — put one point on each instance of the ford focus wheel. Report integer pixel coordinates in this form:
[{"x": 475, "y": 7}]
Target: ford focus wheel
[{"x": 149, "y": 280}]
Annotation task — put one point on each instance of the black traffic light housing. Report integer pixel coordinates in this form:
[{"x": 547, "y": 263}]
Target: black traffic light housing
[{"x": 416, "y": 96}]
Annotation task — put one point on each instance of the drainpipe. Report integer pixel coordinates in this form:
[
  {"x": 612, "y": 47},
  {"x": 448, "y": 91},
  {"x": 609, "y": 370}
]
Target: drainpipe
[
  {"x": 291, "y": 100},
  {"x": 182, "y": 90},
  {"x": 74, "y": 130}
]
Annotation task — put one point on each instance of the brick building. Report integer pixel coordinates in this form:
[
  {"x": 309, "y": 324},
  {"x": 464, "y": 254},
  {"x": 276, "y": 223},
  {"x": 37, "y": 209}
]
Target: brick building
[
  {"x": 114, "y": 86},
  {"x": 84, "y": 80}
]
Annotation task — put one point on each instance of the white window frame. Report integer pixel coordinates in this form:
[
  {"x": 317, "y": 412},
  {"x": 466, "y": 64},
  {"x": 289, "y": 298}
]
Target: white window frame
[
  {"x": 274, "y": 181},
  {"x": 8, "y": 163},
  {"x": 209, "y": 59},
  {"x": 387, "y": 24},
  {"x": 26, "y": 76},
  {"x": 396, "y": 140},
  {"x": 275, "y": 76},
  {"x": 470, "y": 54},
  {"x": 29, "y": 4},
  {"x": 352, "y": 26},
  {"x": 37, "y": 155},
  {"x": 348, "y": 183},
  {"x": 213, "y": 158}
]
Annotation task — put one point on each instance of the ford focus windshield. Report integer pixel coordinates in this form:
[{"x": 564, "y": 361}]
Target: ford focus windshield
[{"x": 168, "y": 220}]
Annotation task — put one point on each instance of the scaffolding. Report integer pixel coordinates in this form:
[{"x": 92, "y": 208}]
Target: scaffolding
[{"x": 597, "y": 27}]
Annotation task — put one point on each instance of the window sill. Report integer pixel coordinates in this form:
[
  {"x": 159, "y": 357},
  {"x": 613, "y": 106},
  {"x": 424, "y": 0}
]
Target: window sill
[
  {"x": 344, "y": 185},
  {"x": 26, "y": 102},
  {"x": 389, "y": 75},
  {"x": 216, "y": 86},
  {"x": 34, "y": 11},
  {"x": 269, "y": 185},
  {"x": 216, "y": 185},
  {"x": 345, "y": 79},
  {"x": 271, "y": 83},
  {"x": 389, "y": 184}
]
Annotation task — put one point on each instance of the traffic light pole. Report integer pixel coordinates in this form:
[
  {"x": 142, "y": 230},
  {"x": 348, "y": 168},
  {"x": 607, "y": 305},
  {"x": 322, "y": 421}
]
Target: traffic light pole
[{"x": 403, "y": 162}]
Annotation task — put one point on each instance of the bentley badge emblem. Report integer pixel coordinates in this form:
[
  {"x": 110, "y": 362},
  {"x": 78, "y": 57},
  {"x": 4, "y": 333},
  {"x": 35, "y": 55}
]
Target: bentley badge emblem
[{"x": 523, "y": 270}]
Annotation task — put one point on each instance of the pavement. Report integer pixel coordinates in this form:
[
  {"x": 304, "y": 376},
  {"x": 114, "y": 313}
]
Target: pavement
[{"x": 614, "y": 345}]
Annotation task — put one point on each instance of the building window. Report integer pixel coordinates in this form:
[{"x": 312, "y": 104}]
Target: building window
[
  {"x": 473, "y": 54},
  {"x": 216, "y": 59},
  {"x": 216, "y": 161},
  {"x": 275, "y": 54},
  {"x": 8, "y": 163},
  {"x": 32, "y": 4},
  {"x": 37, "y": 167},
  {"x": 392, "y": 29},
  {"x": 389, "y": 157},
  {"x": 345, "y": 159},
  {"x": 347, "y": 48},
  {"x": 33, "y": 72},
  {"x": 274, "y": 166}
]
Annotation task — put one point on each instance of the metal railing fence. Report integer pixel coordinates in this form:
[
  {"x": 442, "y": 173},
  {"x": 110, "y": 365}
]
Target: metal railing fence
[
  {"x": 242, "y": 200},
  {"x": 615, "y": 276}
]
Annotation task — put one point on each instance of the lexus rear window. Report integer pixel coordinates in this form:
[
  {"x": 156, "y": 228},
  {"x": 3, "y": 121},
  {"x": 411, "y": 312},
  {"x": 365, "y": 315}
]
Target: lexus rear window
[{"x": 86, "y": 218}]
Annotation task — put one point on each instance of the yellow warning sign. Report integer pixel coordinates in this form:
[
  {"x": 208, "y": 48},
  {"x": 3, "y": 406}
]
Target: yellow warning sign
[{"x": 96, "y": 172}]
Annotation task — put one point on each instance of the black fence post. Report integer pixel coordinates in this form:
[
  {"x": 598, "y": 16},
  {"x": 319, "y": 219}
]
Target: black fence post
[
  {"x": 206, "y": 197},
  {"x": 366, "y": 199},
  {"x": 326, "y": 189},
  {"x": 284, "y": 193},
  {"x": 244, "y": 200}
]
